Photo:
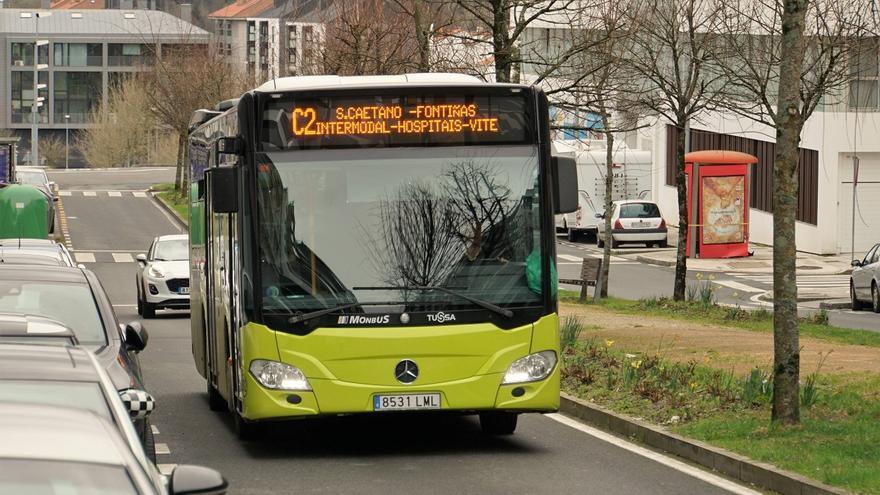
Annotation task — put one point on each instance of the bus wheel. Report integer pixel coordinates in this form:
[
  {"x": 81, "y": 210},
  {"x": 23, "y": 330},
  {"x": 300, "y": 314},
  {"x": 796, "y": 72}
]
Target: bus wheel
[
  {"x": 216, "y": 402},
  {"x": 498, "y": 423},
  {"x": 246, "y": 430}
]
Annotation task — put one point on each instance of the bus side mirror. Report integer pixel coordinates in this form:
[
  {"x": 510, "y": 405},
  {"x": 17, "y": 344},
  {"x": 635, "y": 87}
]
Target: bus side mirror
[
  {"x": 565, "y": 185},
  {"x": 229, "y": 146},
  {"x": 224, "y": 189}
]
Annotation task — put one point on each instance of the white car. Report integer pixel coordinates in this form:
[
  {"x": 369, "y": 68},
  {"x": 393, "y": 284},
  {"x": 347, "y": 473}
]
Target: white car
[
  {"x": 864, "y": 283},
  {"x": 634, "y": 222},
  {"x": 163, "y": 275}
]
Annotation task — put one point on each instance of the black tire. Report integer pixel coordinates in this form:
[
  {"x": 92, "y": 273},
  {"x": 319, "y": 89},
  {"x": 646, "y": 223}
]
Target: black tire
[
  {"x": 572, "y": 235},
  {"x": 856, "y": 304},
  {"x": 246, "y": 430},
  {"x": 875, "y": 298},
  {"x": 216, "y": 402},
  {"x": 498, "y": 423},
  {"x": 615, "y": 244},
  {"x": 149, "y": 310},
  {"x": 149, "y": 441},
  {"x": 140, "y": 302},
  {"x": 599, "y": 242},
  {"x": 663, "y": 244}
]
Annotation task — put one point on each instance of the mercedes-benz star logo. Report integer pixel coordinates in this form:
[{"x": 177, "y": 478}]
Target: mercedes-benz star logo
[{"x": 406, "y": 371}]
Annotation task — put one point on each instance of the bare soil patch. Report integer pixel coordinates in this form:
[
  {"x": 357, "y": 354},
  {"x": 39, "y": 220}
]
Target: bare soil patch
[{"x": 718, "y": 346}]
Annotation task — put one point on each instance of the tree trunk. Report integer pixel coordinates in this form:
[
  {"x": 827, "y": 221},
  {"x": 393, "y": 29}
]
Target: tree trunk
[
  {"x": 609, "y": 187},
  {"x": 789, "y": 123},
  {"x": 501, "y": 41},
  {"x": 181, "y": 162},
  {"x": 678, "y": 292},
  {"x": 423, "y": 38}
]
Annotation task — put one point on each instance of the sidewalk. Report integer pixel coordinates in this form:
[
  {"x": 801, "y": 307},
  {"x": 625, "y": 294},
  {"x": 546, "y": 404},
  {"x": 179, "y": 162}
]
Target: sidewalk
[{"x": 760, "y": 262}]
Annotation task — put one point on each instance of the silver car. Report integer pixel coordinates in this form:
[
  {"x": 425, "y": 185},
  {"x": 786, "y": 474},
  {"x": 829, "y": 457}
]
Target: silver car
[
  {"x": 163, "y": 275},
  {"x": 864, "y": 283},
  {"x": 47, "y": 449}
]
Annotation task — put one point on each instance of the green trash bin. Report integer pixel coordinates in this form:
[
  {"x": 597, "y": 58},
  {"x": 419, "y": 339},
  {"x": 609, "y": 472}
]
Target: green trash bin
[{"x": 24, "y": 212}]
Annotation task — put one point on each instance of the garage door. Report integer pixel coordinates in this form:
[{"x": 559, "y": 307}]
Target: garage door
[{"x": 867, "y": 216}]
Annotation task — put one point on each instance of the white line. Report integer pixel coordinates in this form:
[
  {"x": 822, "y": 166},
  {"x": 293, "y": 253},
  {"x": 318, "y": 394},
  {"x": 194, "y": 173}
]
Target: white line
[
  {"x": 114, "y": 194},
  {"x": 71, "y": 218},
  {"x": 708, "y": 477},
  {"x": 167, "y": 215},
  {"x": 140, "y": 194},
  {"x": 162, "y": 448},
  {"x": 84, "y": 257},
  {"x": 113, "y": 250},
  {"x": 737, "y": 286},
  {"x": 568, "y": 257},
  {"x": 122, "y": 258},
  {"x": 166, "y": 468},
  {"x": 90, "y": 193},
  {"x": 64, "y": 193},
  {"x": 154, "y": 429}
]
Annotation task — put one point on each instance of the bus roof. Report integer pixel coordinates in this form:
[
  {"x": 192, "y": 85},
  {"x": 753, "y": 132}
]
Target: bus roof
[{"x": 339, "y": 82}]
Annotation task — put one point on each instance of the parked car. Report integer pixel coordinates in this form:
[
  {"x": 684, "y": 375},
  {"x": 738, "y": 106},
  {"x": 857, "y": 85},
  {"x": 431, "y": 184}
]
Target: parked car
[
  {"x": 163, "y": 275},
  {"x": 63, "y": 450},
  {"x": 634, "y": 222},
  {"x": 75, "y": 298},
  {"x": 864, "y": 283},
  {"x": 36, "y": 176},
  {"x": 34, "y": 252},
  {"x": 72, "y": 377}
]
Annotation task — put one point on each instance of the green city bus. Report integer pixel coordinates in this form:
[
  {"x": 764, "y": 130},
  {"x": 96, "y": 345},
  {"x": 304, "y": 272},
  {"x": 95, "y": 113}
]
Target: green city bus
[{"x": 377, "y": 244}]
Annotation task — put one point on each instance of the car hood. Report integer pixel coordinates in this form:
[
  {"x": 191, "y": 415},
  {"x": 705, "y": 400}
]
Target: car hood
[{"x": 173, "y": 269}]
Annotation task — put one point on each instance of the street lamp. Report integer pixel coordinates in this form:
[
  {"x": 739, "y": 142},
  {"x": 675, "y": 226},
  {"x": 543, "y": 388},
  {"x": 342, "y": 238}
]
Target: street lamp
[
  {"x": 38, "y": 101},
  {"x": 66, "y": 140}
]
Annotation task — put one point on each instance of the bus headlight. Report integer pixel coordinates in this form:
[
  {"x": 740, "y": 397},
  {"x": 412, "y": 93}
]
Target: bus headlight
[
  {"x": 279, "y": 376},
  {"x": 531, "y": 368}
]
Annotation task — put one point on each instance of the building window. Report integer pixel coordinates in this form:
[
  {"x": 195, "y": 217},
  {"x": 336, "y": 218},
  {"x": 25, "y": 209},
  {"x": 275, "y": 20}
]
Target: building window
[
  {"x": 79, "y": 54},
  {"x": 864, "y": 71},
  {"x": 127, "y": 55},
  {"x": 76, "y": 94},
  {"x": 23, "y": 54},
  {"x": 22, "y": 89}
]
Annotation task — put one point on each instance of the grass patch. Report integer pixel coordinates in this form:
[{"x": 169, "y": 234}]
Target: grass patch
[
  {"x": 838, "y": 441},
  {"x": 759, "y": 321},
  {"x": 175, "y": 200}
]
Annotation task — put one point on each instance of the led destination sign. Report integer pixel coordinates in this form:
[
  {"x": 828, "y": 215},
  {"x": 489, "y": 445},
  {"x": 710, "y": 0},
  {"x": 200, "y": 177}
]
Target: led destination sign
[
  {"x": 353, "y": 121},
  {"x": 394, "y": 119}
]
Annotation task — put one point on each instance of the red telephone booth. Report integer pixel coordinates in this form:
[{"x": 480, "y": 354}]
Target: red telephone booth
[{"x": 721, "y": 204}]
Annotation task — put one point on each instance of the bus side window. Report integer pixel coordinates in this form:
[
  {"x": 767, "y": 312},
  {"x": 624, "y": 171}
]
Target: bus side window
[{"x": 201, "y": 188}]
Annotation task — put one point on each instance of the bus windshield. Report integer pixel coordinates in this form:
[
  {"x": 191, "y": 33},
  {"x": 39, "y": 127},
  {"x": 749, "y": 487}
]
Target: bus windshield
[{"x": 337, "y": 227}]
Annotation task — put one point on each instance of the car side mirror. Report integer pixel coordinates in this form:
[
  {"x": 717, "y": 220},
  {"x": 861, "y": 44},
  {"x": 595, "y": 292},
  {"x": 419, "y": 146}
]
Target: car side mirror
[
  {"x": 141, "y": 259},
  {"x": 188, "y": 479},
  {"x": 136, "y": 336},
  {"x": 856, "y": 263},
  {"x": 565, "y": 196},
  {"x": 53, "y": 186},
  {"x": 139, "y": 403}
]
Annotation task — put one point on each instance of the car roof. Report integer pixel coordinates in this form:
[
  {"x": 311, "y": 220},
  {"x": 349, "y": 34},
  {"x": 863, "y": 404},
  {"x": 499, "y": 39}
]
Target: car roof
[
  {"x": 31, "y": 257},
  {"x": 172, "y": 237},
  {"x": 631, "y": 201},
  {"x": 38, "y": 362},
  {"x": 58, "y": 434},
  {"x": 37, "y": 273},
  {"x": 15, "y": 242}
]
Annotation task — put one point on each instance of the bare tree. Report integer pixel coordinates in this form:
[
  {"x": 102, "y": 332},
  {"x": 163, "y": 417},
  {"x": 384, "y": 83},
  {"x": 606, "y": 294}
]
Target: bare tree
[
  {"x": 674, "y": 47},
  {"x": 428, "y": 19},
  {"x": 52, "y": 150},
  {"x": 787, "y": 57},
  {"x": 119, "y": 132}
]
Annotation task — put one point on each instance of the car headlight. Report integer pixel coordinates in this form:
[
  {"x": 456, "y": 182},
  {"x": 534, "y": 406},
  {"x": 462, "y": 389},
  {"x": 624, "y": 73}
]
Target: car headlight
[
  {"x": 156, "y": 271},
  {"x": 279, "y": 376},
  {"x": 531, "y": 368}
]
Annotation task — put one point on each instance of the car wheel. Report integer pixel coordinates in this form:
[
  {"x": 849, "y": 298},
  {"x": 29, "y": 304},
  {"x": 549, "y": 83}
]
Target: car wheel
[
  {"x": 663, "y": 244},
  {"x": 615, "y": 243},
  {"x": 140, "y": 302},
  {"x": 599, "y": 242},
  {"x": 216, "y": 402},
  {"x": 875, "y": 298},
  {"x": 856, "y": 304},
  {"x": 498, "y": 423},
  {"x": 572, "y": 235},
  {"x": 149, "y": 441},
  {"x": 149, "y": 310}
]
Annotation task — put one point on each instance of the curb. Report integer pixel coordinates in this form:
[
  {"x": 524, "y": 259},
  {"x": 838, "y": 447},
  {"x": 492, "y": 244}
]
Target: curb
[
  {"x": 723, "y": 461},
  {"x": 653, "y": 261},
  {"x": 183, "y": 225},
  {"x": 835, "y": 305}
]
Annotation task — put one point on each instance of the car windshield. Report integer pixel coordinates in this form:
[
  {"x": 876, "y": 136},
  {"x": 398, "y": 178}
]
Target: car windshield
[
  {"x": 336, "y": 224},
  {"x": 67, "y": 303},
  {"x": 639, "y": 210},
  {"x": 63, "y": 478},
  {"x": 30, "y": 177},
  {"x": 79, "y": 395},
  {"x": 171, "y": 250}
]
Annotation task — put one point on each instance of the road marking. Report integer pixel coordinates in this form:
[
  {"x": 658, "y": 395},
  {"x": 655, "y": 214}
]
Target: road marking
[
  {"x": 154, "y": 429},
  {"x": 710, "y": 478},
  {"x": 162, "y": 449},
  {"x": 166, "y": 469},
  {"x": 90, "y": 193},
  {"x": 738, "y": 286},
  {"x": 568, "y": 257},
  {"x": 114, "y": 194},
  {"x": 71, "y": 218},
  {"x": 64, "y": 193},
  {"x": 140, "y": 194},
  {"x": 113, "y": 250},
  {"x": 84, "y": 257},
  {"x": 171, "y": 220},
  {"x": 122, "y": 258}
]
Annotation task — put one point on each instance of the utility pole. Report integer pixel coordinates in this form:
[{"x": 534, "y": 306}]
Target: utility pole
[
  {"x": 66, "y": 141},
  {"x": 37, "y": 101}
]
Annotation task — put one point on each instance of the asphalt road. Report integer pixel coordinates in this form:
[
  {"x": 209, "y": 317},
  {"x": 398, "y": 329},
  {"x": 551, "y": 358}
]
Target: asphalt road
[{"x": 393, "y": 454}]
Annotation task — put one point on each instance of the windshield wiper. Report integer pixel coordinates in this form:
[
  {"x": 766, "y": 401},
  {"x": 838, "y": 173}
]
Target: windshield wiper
[
  {"x": 299, "y": 318},
  {"x": 479, "y": 302}
]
